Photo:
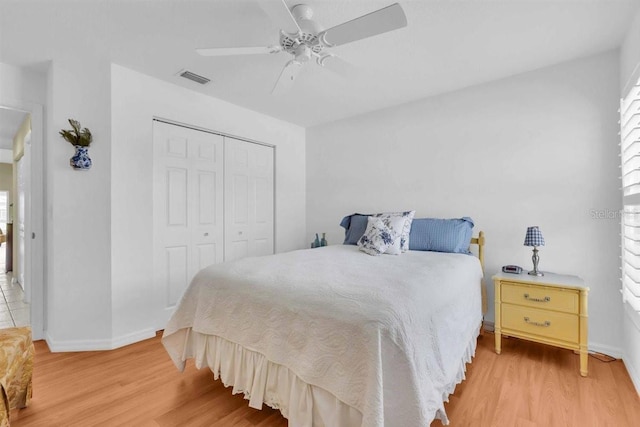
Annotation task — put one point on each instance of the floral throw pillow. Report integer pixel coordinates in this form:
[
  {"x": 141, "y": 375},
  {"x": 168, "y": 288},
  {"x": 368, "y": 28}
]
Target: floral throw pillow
[
  {"x": 408, "y": 218},
  {"x": 377, "y": 238},
  {"x": 395, "y": 224}
]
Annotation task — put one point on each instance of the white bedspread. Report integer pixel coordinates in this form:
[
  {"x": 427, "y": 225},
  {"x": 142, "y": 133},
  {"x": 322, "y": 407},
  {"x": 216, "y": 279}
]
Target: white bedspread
[{"x": 386, "y": 335}]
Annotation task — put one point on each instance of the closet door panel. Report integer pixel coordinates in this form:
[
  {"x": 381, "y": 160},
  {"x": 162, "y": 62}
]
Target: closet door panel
[
  {"x": 213, "y": 201},
  {"x": 237, "y": 249},
  {"x": 206, "y": 204},
  {"x": 176, "y": 273},
  {"x": 240, "y": 200},
  {"x": 248, "y": 199},
  {"x": 205, "y": 253},
  {"x": 188, "y": 208},
  {"x": 261, "y": 173},
  {"x": 176, "y": 205}
]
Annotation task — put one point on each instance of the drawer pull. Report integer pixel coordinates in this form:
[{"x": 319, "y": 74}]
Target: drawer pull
[
  {"x": 546, "y": 323},
  {"x": 545, "y": 299}
]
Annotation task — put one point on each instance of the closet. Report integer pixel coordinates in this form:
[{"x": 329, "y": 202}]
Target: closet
[
  {"x": 248, "y": 199},
  {"x": 213, "y": 202}
]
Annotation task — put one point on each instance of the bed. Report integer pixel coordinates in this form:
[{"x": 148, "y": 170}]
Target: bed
[{"x": 334, "y": 337}]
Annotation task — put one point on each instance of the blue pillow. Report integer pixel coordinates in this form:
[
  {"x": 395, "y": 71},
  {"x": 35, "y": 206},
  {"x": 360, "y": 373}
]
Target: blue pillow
[
  {"x": 441, "y": 235},
  {"x": 354, "y": 227}
]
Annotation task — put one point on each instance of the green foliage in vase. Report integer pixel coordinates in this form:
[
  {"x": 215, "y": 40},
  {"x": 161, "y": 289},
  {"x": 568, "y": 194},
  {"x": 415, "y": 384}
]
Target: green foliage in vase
[{"x": 77, "y": 136}]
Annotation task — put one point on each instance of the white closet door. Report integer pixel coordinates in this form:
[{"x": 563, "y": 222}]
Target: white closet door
[
  {"x": 188, "y": 208},
  {"x": 248, "y": 199}
]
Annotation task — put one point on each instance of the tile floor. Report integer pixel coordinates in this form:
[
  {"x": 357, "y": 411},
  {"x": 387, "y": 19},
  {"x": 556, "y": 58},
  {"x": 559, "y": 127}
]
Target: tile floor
[{"x": 13, "y": 310}]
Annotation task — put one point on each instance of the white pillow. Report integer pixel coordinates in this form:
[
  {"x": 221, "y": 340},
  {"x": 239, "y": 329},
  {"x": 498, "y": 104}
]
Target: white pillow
[
  {"x": 377, "y": 238},
  {"x": 408, "y": 218}
]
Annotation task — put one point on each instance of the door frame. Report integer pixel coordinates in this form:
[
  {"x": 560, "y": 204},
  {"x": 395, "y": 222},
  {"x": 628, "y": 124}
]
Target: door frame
[{"x": 34, "y": 219}]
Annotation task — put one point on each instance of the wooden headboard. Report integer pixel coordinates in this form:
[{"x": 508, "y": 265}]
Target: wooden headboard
[{"x": 480, "y": 242}]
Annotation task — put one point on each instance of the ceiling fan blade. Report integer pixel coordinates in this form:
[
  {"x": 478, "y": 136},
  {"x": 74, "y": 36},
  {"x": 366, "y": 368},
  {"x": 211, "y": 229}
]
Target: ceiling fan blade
[
  {"x": 230, "y": 51},
  {"x": 287, "y": 77},
  {"x": 280, "y": 15},
  {"x": 374, "y": 23},
  {"x": 338, "y": 65}
]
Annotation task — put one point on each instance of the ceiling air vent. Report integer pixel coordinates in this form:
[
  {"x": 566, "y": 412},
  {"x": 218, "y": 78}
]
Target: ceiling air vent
[{"x": 194, "y": 77}]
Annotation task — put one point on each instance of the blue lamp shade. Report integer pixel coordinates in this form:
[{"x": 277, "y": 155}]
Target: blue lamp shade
[{"x": 533, "y": 237}]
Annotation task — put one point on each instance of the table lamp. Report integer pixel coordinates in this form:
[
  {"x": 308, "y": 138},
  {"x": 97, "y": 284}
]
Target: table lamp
[{"x": 534, "y": 238}]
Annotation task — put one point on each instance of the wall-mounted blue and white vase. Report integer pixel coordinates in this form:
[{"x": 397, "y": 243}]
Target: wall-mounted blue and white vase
[{"x": 81, "y": 159}]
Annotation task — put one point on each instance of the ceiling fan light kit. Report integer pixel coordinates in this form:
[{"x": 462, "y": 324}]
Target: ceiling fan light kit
[{"x": 312, "y": 41}]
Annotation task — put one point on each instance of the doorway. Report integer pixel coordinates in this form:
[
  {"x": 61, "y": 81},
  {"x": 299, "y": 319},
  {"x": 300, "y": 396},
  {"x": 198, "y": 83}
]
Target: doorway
[
  {"x": 14, "y": 308},
  {"x": 24, "y": 217}
]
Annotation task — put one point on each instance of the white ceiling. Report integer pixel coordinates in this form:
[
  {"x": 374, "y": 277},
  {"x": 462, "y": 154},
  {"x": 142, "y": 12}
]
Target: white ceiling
[{"x": 446, "y": 46}]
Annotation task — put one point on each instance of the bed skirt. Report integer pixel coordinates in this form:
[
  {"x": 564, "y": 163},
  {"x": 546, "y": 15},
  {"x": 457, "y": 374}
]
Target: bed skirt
[{"x": 262, "y": 381}]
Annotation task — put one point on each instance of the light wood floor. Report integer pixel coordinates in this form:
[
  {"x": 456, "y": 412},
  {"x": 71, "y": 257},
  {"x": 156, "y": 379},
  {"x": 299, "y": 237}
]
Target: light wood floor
[{"x": 527, "y": 385}]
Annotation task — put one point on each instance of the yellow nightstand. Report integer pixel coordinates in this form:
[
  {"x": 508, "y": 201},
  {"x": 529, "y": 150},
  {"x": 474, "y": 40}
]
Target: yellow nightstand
[{"x": 550, "y": 309}]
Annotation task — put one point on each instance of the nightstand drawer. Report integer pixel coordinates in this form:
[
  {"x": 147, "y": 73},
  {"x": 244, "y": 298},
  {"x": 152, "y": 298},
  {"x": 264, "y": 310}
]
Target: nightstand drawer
[
  {"x": 540, "y": 297},
  {"x": 549, "y": 324}
]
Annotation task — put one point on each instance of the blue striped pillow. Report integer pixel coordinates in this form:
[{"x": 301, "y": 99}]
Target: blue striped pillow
[{"x": 441, "y": 235}]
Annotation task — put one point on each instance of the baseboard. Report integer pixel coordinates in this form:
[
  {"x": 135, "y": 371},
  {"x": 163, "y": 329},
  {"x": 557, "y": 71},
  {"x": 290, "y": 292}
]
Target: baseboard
[
  {"x": 595, "y": 347},
  {"x": 592, "y": 346},
  {"x": 96, "y": 345},
  {"x": 133, "y": 337},
  {"x": 631, "y": 322},
  {"x": 633, "y": 374}
]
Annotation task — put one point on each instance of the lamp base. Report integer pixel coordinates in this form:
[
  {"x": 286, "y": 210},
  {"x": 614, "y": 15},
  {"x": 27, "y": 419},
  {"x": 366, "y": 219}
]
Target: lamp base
[{"x": 535, "y": 258}]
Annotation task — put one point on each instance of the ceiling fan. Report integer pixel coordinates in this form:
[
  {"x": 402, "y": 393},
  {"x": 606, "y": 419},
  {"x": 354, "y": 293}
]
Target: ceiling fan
[{"x": 303, "y": 38}]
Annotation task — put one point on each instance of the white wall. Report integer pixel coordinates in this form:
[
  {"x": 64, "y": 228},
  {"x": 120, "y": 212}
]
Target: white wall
[
  {"x": 21, "y": 84},
  {"x": 6, "y": 180},
  {"x": 629, "y": 74},
  {"x": 136, "y": 99},
  {"x": 78, "y": 216},
  {"x": 630, "y": 55},
  {"x": 98, "y": 222},
  {"x": 536, "y": 149}
]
